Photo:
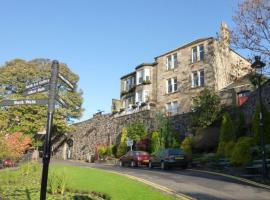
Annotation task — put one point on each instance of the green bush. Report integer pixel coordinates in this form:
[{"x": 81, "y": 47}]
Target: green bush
[
  {"x": 228, "y": 149},
  {"x": 186, "y": 145},
  {"x": 239, "y": 124},
  {"x": 256, "y": 126},
  {"x": 242, "y": 151},
  {"x": 226, "y": 133},
  {"x": 122, "y": 148}
]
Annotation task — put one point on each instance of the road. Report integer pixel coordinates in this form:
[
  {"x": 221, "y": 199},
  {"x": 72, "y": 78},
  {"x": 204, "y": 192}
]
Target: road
[{"x": 199, "y": 185}]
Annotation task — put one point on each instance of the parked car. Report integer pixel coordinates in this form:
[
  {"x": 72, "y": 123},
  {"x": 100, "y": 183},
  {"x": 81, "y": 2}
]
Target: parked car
[
  {"x": 6, "y": 163},
  {"x": 169, "y": 158},
  {"x": 134, "y": 158}
]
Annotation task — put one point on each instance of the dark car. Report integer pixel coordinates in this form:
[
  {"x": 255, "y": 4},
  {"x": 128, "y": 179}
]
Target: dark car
[
  {"x": 169, "y": 158},
  {"x": 134, "y": 159}
]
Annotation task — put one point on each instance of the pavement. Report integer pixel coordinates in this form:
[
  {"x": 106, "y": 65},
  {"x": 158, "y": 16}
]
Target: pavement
[{"x": 187, "y": 184}]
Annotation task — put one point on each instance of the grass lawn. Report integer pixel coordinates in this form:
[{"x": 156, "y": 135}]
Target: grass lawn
[{"x": 78, "y": 180}]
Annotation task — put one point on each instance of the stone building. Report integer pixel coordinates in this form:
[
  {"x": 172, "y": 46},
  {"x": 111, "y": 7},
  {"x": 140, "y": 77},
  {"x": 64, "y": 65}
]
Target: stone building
[
  {"x": 170, "y": 82},
  {"x": 167, "y": 85}
]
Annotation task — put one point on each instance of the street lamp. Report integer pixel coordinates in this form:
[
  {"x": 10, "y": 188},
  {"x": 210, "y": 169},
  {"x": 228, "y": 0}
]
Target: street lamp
[{"x": 258, "y": 65}]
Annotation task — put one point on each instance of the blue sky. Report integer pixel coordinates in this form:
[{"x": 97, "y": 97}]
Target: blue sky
[{"x": 101, "y": 40}]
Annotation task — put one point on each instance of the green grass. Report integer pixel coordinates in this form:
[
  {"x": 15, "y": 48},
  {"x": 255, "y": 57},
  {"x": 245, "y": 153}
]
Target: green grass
[{"x": 24, "y": 184}]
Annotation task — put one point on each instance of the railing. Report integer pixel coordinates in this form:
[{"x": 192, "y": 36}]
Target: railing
[{"x": 136, "y": 109}]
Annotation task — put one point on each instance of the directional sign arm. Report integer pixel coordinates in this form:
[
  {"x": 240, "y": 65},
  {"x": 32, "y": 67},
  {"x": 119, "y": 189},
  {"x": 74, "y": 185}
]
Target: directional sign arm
[
  {"x": 24, "y": 102},
  {"x": 36, "y": 90},
  {"x": 66, "y": 81}
]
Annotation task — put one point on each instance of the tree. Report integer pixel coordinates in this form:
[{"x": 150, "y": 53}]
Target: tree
[
  {"x": 136, "y": 131},
  {"x": 252, "y": 30},
  {"x": 14, "y": 76},
  {"x": 14, "y": 145},
  {"x": 186, "y": 145},
  {"x": 206, "y": 109}
]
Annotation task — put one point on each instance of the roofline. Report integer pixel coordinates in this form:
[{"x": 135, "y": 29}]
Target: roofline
[
  {"x": 127, "y": 75},
  {"x": 240, "y": 55},
  {"x": 145, "y": 64},
  {"x": 186, "y": 45}
]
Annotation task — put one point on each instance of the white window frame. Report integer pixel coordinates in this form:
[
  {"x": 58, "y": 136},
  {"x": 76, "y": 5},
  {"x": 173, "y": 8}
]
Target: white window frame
[
  {"x": 171, "y": 63},
  {"x": 198, "y": 73},
  {"x": 172, "y": 107},
  {"x": 198, "y": 53},
  {"x": 174, "y": 85}
]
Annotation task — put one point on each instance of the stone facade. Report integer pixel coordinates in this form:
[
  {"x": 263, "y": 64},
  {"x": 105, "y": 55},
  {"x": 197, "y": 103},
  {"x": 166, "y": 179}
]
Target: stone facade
[{"x": 174, "y": 78}]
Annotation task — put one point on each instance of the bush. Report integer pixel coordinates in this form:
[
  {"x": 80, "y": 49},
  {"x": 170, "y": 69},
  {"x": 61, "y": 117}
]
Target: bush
[
  {"x": 122, "y": 148},
  {"x": 228, "y": 149},
  {"x": 242, "y": 151},
  {"x": 186, "y": 145},
  {"x": 226, "y": 133},
  {"x": 240, "y": 127},
  {"x": 155, "y": 142}
]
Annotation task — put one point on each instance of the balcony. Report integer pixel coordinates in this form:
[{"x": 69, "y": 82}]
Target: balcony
[{"x": 133, "y": 109}]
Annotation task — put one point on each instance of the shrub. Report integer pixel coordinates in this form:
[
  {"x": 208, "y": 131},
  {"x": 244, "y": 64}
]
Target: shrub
[
  {"x": 136, "y": 131},
  {"x": 155, "y": 142},
  {"x": 242, "y": 151},
  {"x": 226, "y": 133},
  {"x": 228, "y": 149},
  {"x": 186, "y": 145},
  {"x": 122, "y": 148}
]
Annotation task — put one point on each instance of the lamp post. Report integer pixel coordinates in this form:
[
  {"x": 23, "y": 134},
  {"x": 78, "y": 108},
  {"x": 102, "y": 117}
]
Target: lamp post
[{"x": 258, "y": 65}]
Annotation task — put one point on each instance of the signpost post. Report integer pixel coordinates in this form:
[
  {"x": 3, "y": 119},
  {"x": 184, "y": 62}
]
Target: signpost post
[{"x": 47, "y": 145}]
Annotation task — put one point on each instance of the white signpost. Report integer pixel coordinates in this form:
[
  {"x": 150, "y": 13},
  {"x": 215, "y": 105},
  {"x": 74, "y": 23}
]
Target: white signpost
[{"x": 130, "y": 143}]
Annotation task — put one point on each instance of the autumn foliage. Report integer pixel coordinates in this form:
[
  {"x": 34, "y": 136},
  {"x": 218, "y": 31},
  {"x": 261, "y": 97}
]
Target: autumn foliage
[{"x": 14, "y": 145}]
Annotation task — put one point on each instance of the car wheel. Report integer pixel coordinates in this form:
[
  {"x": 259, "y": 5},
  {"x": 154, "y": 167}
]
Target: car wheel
[
  {"x": 163, "y": 166},
  {"x": 133, "y": 164},
  {"x": 150, "y": 165},
  {"x": 121, "y": 163}
]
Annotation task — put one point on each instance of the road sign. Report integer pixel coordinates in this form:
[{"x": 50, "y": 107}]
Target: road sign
[
  {"x": 39, "y": 83},
  {"x": 36, "y": 90},
  {"x": 66, "y": 81},
  {"x": 129, "y": 142},
  {"x": 24, "y": 102}
]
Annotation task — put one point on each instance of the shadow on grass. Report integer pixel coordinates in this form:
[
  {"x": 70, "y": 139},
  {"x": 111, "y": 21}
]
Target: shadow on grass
[{"x": 81, "y": 197}]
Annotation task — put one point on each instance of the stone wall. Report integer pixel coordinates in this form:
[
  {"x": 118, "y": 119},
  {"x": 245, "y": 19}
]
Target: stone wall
[{"x": 106, "y": 130}]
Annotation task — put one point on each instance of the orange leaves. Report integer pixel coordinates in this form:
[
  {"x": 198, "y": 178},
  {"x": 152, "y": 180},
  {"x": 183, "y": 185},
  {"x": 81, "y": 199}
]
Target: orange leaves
[{"x": 17, "y": 143}]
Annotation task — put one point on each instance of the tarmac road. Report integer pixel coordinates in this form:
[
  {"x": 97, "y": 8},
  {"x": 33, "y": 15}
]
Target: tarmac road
[{"x": 198, "y": 185}]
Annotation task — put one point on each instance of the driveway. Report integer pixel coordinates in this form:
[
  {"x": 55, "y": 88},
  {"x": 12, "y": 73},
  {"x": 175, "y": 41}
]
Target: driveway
[{"x": 198, "y": 185}]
